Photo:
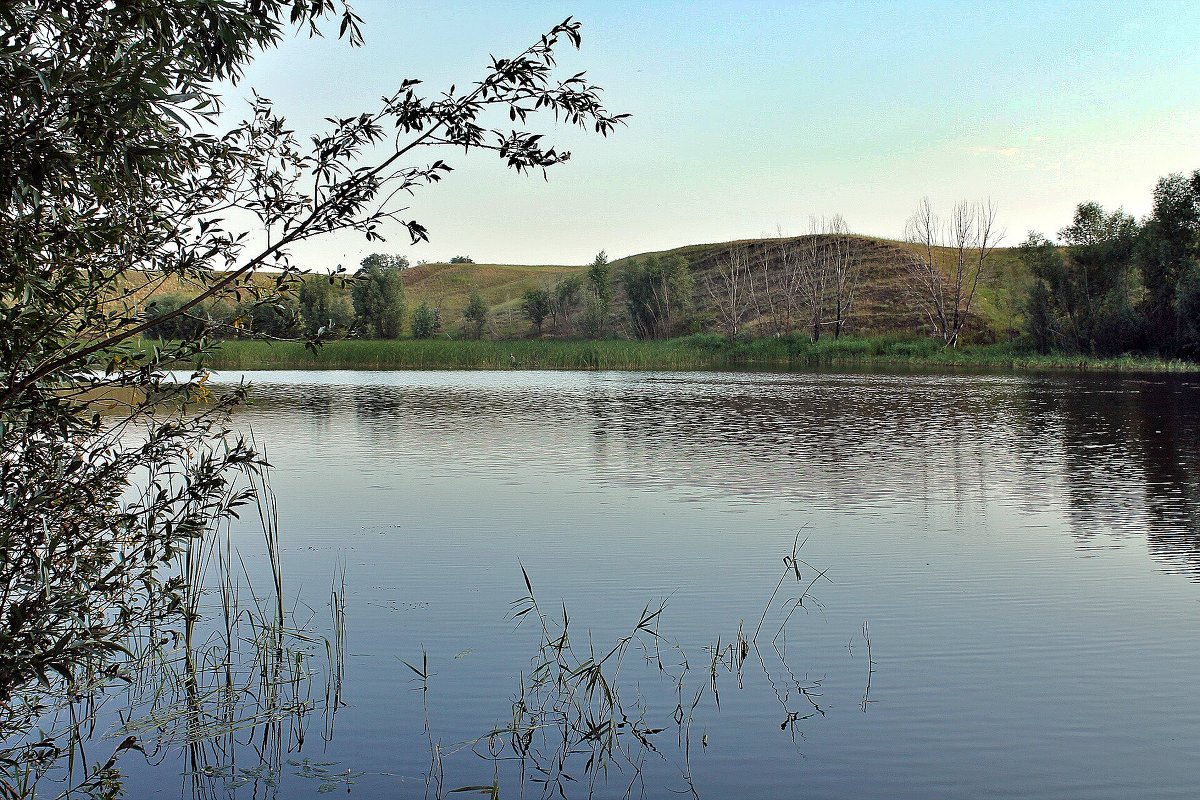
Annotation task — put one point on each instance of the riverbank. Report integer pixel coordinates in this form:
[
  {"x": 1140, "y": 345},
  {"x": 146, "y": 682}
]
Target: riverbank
[{"x": 704, "y": 351}]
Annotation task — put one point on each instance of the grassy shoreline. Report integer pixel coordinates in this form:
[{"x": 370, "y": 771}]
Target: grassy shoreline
[{"x": 701, "y": 352}]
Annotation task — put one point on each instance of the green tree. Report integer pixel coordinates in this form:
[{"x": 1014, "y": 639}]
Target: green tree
[
  {"x": 1101, "y": 286},
  {"x": 536, "y": 305},
  {"x": 187, "y": 326},
  {"x": 462, "y": 260},
  {"x": 1169, "y": 247},
  {"x": 111, "y": 178},
  {"x": 378, "y": 295},
  {"x": 1045, "y": 264},
  {"x": 1187, "y": 306},
  {"x": 426, "y": 321},
  {"x": 325, "y": 307},
  {"x": 277, "y": 320},
  {"x": 567, "y": 296},
  {"x": 658, "y": 294},
  {"x": 1084, "y": 296},
  {"x": 597, "y": 304},
  {"x": 476, "y": 314}
]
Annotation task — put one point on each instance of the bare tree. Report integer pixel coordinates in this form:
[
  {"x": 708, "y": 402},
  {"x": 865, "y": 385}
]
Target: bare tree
[
  {"x": 846, "y": 266},
  {"x": 798, "y": 281},
  {"x": 943, "y": 270},
  {"x": 731, "y": 288},
  {"x": 773, "y": 268},
  {"x": 789, "y": 282},
  {"x": 814, "y": 272},
  {"x": 764, "y": 290}
]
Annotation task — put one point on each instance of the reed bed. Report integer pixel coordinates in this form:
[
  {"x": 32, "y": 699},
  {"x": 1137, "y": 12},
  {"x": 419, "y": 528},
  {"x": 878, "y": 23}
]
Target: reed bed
[
  {"x": 467, "y": 354},
  {"x": 698, "y": 352}
]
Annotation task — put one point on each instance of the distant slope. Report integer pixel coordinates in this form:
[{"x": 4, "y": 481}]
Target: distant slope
[
  {"x": 882, "y": 303},
  {"x": 449, "y": 286}
]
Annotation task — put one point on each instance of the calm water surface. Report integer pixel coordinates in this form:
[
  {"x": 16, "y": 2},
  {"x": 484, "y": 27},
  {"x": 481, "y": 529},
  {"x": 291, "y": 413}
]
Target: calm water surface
[{"x": 1024, "y": 551}]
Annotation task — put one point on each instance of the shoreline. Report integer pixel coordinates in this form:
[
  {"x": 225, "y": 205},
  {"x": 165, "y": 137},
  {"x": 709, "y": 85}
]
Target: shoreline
[{"x": 701, "y": 352}]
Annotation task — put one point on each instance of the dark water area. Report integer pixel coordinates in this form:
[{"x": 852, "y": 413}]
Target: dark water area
[{"x": 1023, "y": 550}]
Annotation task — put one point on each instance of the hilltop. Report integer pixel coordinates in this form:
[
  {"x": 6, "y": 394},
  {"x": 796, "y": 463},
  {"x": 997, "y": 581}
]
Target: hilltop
[
  {"x": 882, "y": 304},
  {"x": 448, "y": 287}
]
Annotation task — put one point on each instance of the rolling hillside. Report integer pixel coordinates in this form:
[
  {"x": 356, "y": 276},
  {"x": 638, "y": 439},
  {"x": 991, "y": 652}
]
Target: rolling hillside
[
  {"x": 881, "y": 304},
  {"x": 448, "y": 287}
]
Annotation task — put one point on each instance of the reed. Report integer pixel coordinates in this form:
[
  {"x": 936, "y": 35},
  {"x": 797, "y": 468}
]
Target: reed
[
  {"x": 231, "y": 668},
  {"x": 698, "y": 352},
  {"x": 580, "y": 718}
]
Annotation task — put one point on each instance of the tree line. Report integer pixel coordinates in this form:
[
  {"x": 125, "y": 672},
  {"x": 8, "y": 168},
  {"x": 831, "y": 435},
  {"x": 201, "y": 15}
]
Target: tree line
[
  {"x": 1116, "y": 285},
  {"x": 1110, "y": 284},
  {"x": 788, "y": 285},
  {"x": 792, "y": 284},
  {"x": 370, "y": 303},
  {"x": 658, "y": 291}
]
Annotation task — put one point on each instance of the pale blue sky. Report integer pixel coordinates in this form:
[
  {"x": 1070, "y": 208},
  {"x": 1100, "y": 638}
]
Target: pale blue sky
[{"x": 748, "y": 117}]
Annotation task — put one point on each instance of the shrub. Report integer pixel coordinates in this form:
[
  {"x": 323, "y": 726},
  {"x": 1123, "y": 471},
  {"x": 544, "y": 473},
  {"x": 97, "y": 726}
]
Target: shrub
[{"x": 426, "y": 321}]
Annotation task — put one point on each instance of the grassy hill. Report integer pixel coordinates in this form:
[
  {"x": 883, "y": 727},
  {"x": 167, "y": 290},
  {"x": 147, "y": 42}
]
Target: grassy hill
[
  {"x": 882, "y": 304},
  {"x": 448, "y": 287}
]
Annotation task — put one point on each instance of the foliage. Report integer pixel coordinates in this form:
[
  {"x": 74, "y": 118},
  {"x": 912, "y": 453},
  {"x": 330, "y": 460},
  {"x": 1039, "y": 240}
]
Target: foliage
[
  {"x": 462, "y": 260},
  {"x": 325, "y": 307},
  {"x": 116, "y": 183},
  {"x": 378, "y": 295},
  {"x": 1083, "y": 299},
  {"x": 536, "y": 304},
  {"x": 279, "y": 319},
  {"x": 1187, "y": 307},
  {"x": 597, "y": 302},
  {"x": 1118, "y": 286},
  {"x": 659, "y": 293},
  {"x": 184, "y": 326},
  {"x": 426, "y": 321},
  {"x": 1045, "y": 263},
  {"x": 1169, "y": 248},
  {"x": 599, "y": 277},
  {"x": 567, "y": 296},
  {"x": 476, "y": 314}
]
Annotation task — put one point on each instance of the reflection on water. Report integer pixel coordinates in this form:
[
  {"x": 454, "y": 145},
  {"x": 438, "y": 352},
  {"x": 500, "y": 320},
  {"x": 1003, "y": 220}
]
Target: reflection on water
[
  {"x": 1131, "y": 461},
  {"x": 1005, "y": 583},
  {"x": 1124, "y": 452}
]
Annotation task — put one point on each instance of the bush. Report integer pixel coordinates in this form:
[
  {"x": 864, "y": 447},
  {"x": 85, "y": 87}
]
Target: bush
[
  {"x": 378, "y": 293},
  {"x": 426, "y": 321},
  {"x": 476, "y": 314},
  {"x": 185, "y": 326},
  {"x": 324, "y": 307},
  {"x": 280, "y": 319},
  {"x": 537, "y": 305},
  {"x": 659, "y": 294}
]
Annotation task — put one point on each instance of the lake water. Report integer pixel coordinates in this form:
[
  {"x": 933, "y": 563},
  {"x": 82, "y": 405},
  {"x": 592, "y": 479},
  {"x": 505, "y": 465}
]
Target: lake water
[{"x": 1022, "y": 550}]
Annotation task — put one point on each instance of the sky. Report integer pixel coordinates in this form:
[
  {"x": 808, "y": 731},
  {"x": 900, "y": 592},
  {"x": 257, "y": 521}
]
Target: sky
[{"x": 750, "y": 118}]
